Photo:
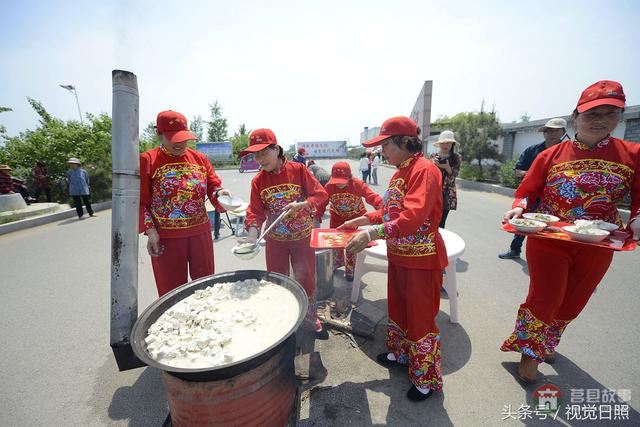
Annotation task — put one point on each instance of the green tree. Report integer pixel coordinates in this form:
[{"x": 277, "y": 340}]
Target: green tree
[
  {"x": 54, "y": 141},
  {"x": 149, "y": 137},
  {"x": 3, "y": 130},
  {"x": 197, "y": 127},
  {"x": 239, "y": 141},
  {"x": 476, "y": 133},
  {"x": 217, "y": 127},
  {"x": 525, "y": 118}
]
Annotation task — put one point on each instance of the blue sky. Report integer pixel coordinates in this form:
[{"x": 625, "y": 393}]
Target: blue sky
[{"x": 315, "y": 69}]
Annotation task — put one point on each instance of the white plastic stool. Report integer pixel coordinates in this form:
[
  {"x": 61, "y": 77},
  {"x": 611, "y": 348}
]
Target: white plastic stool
[
  {"x": 455, "y": 248},
  {"x": 240, "y": 214}
]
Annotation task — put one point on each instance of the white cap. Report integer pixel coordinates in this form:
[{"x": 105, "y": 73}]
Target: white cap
[
  {"x": 446, "y": 136},
  {"x": 73, "y": 160},
  {"x": 556, "y": 123}
]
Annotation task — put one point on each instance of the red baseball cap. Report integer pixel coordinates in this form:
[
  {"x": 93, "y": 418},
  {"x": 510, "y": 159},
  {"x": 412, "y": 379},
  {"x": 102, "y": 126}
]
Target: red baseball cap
[
  {"x": 173, "y": 125},
  {"x": 604, "y": 92},
  {"x": 395, "y": 126},
  {"x": 259, "y": 139},
  {"x": 340, "y": 173}
]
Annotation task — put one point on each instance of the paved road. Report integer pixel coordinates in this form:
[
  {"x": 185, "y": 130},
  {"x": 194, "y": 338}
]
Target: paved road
[{"x": 56, "y": 366}]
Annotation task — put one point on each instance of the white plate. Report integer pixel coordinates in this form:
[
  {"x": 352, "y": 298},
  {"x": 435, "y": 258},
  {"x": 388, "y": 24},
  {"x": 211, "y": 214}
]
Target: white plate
[
  {"x": 517, "y": 224},
  {"x": 230, "y": 203},
  {"x": 591, "y": 238},
  {"x": 548, "y": 219}
]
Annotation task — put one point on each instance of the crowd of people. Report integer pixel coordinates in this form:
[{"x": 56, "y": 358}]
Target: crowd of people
[
  {"x": 77, "y": 183},
  {"x": 579, "y": 177}
]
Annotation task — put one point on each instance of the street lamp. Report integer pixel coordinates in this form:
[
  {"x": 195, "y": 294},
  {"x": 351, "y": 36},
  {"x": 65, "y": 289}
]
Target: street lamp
[{"x": 72, "y": 89}]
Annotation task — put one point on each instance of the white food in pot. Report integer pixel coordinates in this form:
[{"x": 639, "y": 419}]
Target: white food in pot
[{"x": 222, "y": 324}]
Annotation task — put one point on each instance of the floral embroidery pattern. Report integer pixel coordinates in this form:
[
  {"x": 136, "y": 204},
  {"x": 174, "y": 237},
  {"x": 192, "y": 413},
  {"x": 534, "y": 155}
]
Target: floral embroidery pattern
[
  {"x": 425, "y": 368},
  {"x": 586, "y": 189},
  {"x": 275, "y": 199},
  {"x": 553, "y": 334},
  {"x": 581, "y": 146},
  {"x": 528, "y": 337},
  {"x": 420, "y": 243},
  {"x": 178, "y": 195},
  {"x": 423, "y": 356},
  {"x": 346, "y": 205}
]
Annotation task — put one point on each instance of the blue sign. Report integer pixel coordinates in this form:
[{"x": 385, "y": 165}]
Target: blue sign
[{"x": 217, "y": 152}]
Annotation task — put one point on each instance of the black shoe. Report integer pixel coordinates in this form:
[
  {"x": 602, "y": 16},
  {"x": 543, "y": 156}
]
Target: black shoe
[
  {"x": 416, "y": 395},
  {"x": 93, "y": 215},
  {"x": 321, "y": 335},
  {"x": 384, "y": 360},
  {"x": 349, "y": 277},
  {"x": 510, "y": 254},
  {"x": 216, "y": 237}
]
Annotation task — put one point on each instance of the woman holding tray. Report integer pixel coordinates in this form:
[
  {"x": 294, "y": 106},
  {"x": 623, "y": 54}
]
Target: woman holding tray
[
  {"x": 408, "y": 221},
  {"x": 345, "y": 194},
  {"x": 282, "y": 185},
  {"x": 583, "y": 178}
]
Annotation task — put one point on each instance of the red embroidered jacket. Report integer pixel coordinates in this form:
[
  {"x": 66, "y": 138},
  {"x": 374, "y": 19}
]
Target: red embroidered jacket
[
  {"x": 410, "y": 216},
  {"x": 173, "y": 191},
  {"x": 574, "y": 181},
  {"x": 271, "y": 192},
  {"x": 346, "y": 203}
]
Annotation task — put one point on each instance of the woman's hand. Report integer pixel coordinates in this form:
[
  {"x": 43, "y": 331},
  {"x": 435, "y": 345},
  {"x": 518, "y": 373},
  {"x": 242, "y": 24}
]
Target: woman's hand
[
  {"x": 513, "y": 213},
  {"x": 294, "y": 207},
  {"x": 224, "y": 192},
  {"x": 359, "y": 241},
  {"x": 355, "y": 223},
  {"x": 153, "y": 243},
  {"x": 635, "y": 229},
  {"x": 252, "y": 237}
]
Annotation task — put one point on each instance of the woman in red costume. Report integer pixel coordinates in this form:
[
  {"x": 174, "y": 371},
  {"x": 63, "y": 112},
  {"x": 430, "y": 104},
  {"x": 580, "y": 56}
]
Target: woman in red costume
[
  {"x": 408, "y": 221},
  {"x": 283, "y": 185},
  {"x": 584, "y": 178},
  {"x": 174, "y": 182},
  {"x": 345, "y": 195}
]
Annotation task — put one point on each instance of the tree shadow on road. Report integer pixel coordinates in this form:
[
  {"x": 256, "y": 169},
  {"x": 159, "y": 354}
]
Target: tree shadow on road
[{"x": 569, "y": 376}]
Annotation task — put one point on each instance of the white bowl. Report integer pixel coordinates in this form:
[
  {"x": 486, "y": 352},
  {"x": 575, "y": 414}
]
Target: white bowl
[
  {"x": 230, "y": 203},
  {"x": 597, "y": 236},
  {"x": 246, "y": 255},
  {"x": 546, "y": 218},
  {"x": 531, "y": 226},
  {"x": 602, "y": 225}
]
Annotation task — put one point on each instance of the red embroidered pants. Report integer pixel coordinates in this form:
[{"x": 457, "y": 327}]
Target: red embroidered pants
[
  {"x": 412, "y": 335},
  {"x": 303, "y": 261},
  {"x": 181, "y": 255},
  {"x": 563, "y": 276}
]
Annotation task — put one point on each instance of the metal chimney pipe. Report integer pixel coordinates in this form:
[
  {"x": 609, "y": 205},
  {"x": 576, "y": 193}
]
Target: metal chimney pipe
[{"x": 124, "y": 218}]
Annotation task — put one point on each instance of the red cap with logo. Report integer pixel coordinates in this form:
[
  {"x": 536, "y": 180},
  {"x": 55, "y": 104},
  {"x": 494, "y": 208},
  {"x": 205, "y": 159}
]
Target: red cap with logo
[
  {"x": 340, "y": 173},
  {"x": 259, "y": 139},
  {"x": 604, "y": 92},
  {"x": 395, "y": 126},
  {"x": 173, "y": 125},
  {"x": 302, "y": 151}
]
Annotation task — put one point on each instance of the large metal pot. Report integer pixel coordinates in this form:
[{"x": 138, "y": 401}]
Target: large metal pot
[{"x": 156, "y": 309}]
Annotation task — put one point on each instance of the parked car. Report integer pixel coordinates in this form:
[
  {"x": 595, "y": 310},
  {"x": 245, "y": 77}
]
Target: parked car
[{"x": 248, "y": 164}]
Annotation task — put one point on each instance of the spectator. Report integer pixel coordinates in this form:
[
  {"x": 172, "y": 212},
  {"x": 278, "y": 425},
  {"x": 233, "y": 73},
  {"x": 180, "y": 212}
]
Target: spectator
[
  {"x": 299, "y": 157},
  {"x": 554, "y": 131},
  {"x": 448, "y": 161},
  {"x": 41, "y": 182},
  {"x": 10, "y": 184},
  {"x": 364, "y": 167},
  {"x": 320, "y": 173},
  {"x": 374, "y": 168},
  {"x": 78, "y": 180}
]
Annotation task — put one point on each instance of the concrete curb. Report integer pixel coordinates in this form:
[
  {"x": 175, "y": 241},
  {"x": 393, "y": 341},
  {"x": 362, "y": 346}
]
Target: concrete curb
[
  {"x": 48, "y": 218},
  {"x": 509, "y": 192}
]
